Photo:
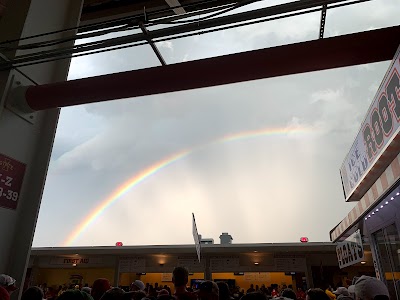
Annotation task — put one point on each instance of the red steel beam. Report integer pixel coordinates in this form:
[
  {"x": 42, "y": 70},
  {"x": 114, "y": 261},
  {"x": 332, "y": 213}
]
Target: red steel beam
[{"x": 341, "y": 51}]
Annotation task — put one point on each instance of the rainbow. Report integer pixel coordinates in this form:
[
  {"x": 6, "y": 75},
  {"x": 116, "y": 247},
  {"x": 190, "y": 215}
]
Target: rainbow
[{"x": 160, "y": 165}]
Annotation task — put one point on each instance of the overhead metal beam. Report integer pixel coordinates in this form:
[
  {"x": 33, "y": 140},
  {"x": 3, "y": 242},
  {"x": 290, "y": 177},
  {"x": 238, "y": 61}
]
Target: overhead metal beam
[
  {"x": 176, "y": 6},
  {"x": 316, "y": 55},
  {"x": 323, "y": 20},
  {"x": 175, "y": 30},
  {"x": 129, "y": 17},
  {"x": 152, "y": 45}
]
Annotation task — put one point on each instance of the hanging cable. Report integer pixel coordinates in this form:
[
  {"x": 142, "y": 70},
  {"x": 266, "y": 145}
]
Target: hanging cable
[
  {"x": 131, "y": 26},
  {"x": 194, "y": 26},
  {"x": 92, "y": 27},
  {"x": 65, "y": 40},
  {"x": 69, "y": 56},
  {"x": 229, "y": 9}
]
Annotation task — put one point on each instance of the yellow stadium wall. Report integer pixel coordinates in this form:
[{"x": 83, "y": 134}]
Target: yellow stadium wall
[
  {"x": 274, "y": 277},
  {"x": 389, "y": 275},
  {"x": 125, "y": 279},
  {"x": 152, "y": 278},
  {"x": 56, "y": 277}
]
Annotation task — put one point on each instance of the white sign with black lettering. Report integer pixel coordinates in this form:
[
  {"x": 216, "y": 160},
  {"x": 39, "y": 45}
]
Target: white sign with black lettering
[
  {"x": 132, "y": 265},
  {"x": 257, "y": 276},
  {"x": 166, "y": 277},
  {"x": 191, "y": 263},
  {"x": 380, "y": 126},
  {"x": 350, "y": 251},
  {"x": 290, "y": 263},
  {"x": 221, "y": 264}
]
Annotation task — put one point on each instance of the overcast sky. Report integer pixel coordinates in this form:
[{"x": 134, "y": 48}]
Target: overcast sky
[{"x": 269, "y": 188}]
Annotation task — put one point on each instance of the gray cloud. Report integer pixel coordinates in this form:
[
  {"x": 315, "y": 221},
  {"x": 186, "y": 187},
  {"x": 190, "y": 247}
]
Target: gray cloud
[{"x": 270, "y": 188}]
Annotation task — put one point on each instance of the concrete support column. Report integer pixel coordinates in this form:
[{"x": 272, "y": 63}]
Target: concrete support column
[
  {"x": 207, "y": 270},
  {"x": 116, "y": 272},
  {"x": 309, "y": 277},
  {"x": 28, "y": 142}
]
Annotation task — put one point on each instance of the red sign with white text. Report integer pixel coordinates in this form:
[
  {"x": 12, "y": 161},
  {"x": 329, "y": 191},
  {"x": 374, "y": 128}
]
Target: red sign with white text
[{"x": 11, "y": 177}]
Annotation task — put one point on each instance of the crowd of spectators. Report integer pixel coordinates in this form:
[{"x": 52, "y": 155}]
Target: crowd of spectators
[{"x": 365, "y": 288}]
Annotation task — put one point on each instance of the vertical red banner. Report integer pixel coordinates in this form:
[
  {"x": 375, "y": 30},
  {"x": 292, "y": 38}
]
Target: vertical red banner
[{"x": 11, "y": 177}]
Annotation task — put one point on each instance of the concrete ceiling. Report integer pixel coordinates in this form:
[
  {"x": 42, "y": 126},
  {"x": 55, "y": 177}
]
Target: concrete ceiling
[
  {"x": 103, "y": 10},
  {"x": 99, "y": 10}
]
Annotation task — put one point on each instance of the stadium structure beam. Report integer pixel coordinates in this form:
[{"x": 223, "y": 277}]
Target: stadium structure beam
[
  {"x": 323, "y": 21},
  {"x": 170, "y": 31},
  {"x": 152, "y": 45},
  {"x": 316, "y": 55},
  {"x": 176, "y": 6}
]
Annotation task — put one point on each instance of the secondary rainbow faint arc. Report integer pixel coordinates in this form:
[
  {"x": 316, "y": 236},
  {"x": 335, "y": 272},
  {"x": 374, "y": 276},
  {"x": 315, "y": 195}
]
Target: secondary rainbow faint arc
[{"x": 144, "y": 174}]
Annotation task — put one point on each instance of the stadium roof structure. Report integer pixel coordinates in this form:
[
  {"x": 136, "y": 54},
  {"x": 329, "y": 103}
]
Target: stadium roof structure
[
  {"x": 298, "y": 248},
  {"x": 109, "y": 25}
]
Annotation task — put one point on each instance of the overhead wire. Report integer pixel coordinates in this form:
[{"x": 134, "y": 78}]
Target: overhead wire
[
  {"x": 62, "y": 40},
  {"x": 77, "y": 48},
  {"x": 69, "y": 56},
  {"x": 90, "y": 27},
  {"x": 219, "y": 13},
  {"x": 133, "y": 24}
]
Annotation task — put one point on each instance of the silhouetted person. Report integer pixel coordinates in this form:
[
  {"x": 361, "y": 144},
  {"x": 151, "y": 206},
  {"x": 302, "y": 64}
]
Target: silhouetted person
[
  {"x": 208, "y": 290},
  {"x": 7, "y": 286},
  {"x": 250, "y": 289},
  {"x": 370, "y": 288},
  {"x": 100, "y": 286},
  {"x": 316, "y": 294},
  {"x": 33, "y": 293},
  {"x": 180, "y": 278},
  {"x": 74, "y": 295},
  {"x": 289, "y": 293}
]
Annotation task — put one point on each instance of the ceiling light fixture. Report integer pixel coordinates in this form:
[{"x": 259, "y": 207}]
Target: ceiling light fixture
[
  {"x": 381, "y": 206},
  {"x": 256, "y": 263},
  {"x": 363, "y": 262},
  {"x": 392, "y": 198},
  {"x": 387, "y": 202},
  {"x": 397, "y": 193}
]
